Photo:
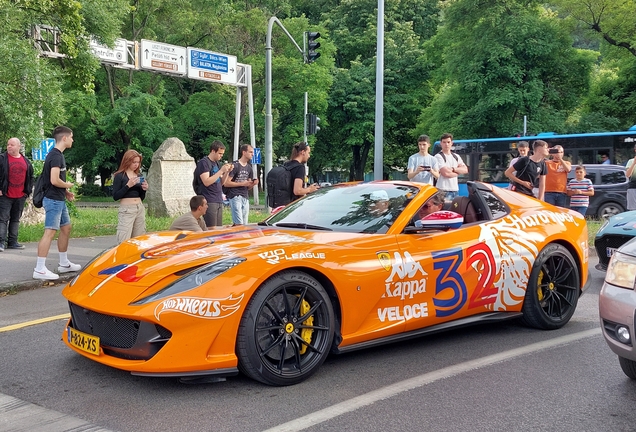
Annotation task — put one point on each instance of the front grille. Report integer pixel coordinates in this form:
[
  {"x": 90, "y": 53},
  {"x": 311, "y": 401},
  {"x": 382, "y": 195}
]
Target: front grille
[
  {"x": 121, "y": 337},
  {"x": 611, "y": 241},
  {"x": 112, "y": 331}
]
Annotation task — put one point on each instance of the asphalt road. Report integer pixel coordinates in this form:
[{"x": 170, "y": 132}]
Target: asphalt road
[{"x": 485, "y": 378}]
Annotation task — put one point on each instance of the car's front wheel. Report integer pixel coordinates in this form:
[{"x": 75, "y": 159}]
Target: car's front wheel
[
  {"x": 628, "y": 366},
  {"x": 286, "y": 331},
  {"x": 553, "y": 289}
]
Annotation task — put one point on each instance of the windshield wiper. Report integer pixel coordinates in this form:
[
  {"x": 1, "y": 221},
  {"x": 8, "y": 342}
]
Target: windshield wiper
[{"x": 302, "y": 225}]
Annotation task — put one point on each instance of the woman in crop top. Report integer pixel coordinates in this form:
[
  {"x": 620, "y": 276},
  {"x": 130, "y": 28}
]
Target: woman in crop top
[{"x": 129, "y": 188}]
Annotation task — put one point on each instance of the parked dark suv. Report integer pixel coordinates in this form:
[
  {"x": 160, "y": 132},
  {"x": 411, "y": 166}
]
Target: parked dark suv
[{"x": 610, "y": 189}]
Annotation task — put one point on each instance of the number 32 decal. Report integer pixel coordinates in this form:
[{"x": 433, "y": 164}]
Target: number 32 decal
[{"x": 448, "y": 262}]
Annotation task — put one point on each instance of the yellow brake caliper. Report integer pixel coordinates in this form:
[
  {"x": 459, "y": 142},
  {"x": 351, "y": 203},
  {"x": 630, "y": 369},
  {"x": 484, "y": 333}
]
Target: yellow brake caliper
[
  {"x": 306, "y": 332},
  {"x": 539, "y": 292}
]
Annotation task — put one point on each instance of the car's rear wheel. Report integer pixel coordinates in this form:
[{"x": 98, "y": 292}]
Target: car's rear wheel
[
  {"x": 628, "y": 366},
  {"x": 609, "y": 209},
  {"x": 286, "y": 331},
  {"x": 553, "y": 289}
]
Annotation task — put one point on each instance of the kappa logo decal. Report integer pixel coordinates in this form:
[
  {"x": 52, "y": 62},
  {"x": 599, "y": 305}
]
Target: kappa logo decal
[
  {"x": 385, "y": 260},
  {"x": 200, "y": 307}
]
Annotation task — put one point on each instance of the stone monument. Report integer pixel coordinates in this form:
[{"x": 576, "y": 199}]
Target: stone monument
[{"x": 170, "y": 180}]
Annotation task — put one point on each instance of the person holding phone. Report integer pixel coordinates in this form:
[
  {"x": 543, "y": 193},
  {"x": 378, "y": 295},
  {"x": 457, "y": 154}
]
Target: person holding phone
[
  {"x": 556, "y": 180},
  {"x": 129, "y": 188},
  {"x": 422, "y": 166}
]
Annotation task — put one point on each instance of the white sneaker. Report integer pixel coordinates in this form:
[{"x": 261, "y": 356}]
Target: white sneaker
[
  {"x": 45, "y": 275},
  {"x": 69, "y": 268}
]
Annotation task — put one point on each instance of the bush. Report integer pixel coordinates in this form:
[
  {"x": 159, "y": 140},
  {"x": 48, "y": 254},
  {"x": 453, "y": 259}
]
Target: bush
[{"x": 90, "y": 189}]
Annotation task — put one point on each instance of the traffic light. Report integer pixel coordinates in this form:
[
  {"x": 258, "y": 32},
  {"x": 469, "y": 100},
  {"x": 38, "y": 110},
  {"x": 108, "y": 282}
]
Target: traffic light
[
  {"x": 312, "y": 124},
  {"x": 312, "y": 46}
]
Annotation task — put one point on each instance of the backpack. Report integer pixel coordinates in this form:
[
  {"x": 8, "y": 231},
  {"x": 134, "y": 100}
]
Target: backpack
[
  {"x": 197, "y": 184},
  {"x": 279, "y": 185},
  {"x": 39, "y": 191},
  {"x": 444, "y": 157}
]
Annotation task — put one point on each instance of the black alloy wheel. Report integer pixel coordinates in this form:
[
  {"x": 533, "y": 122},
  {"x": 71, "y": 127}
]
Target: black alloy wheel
[
  {"x": 286, "y": 331},
  {"x": 553, "y": 289}
]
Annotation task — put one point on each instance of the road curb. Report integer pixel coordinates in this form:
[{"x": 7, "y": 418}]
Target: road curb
[{"x": 14, "y": 287}]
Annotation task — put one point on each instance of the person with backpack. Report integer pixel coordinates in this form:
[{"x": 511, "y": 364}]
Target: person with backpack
[
  {"x": 238, "y": 184},
  {"x": 528, "y": 173},
  {"x": 56, "y": 212},
  {"x": 209, "y": 177},
  {"x": 451, "y": 166},
  {"x": 286, "y": 183},
  {"x": 16, "y": 183}
]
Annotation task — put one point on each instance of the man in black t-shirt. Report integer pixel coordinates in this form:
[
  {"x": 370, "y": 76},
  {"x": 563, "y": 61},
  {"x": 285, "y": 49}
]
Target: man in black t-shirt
[
  {"x": 529, "y": 172},
  {"x": 212, "y": 175},
  {"x": 54, "y": 204},
  {"x": 238, "y": 183},
  {"x": 299, "y": 157}
]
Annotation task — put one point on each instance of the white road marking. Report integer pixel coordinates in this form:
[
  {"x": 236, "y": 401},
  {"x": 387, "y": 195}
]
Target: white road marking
[{"x": 421, "y": 380}]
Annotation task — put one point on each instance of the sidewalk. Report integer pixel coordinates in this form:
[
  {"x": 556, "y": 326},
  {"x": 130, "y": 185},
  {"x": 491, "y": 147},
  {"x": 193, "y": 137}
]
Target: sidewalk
[{"x": 16, "y": 266}]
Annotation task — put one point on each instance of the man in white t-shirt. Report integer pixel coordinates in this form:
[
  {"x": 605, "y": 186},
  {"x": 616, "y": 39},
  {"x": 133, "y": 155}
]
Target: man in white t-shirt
[
  {"x": 451, "y": 167},
  {"x": 423, "y": 167}
]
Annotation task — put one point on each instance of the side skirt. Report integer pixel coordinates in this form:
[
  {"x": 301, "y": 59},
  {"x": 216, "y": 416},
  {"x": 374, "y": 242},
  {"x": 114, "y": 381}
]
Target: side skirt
[{"x": 464, "y": 322}]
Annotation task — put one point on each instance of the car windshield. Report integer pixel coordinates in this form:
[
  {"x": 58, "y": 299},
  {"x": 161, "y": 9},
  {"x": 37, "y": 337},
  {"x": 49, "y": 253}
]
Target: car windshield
[{"x": 361, "y": 208}]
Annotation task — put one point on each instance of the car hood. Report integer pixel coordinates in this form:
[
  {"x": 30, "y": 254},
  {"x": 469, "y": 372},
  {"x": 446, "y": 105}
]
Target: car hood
[
  {"x": 145, "y": 261},
  {"x": 620, "y": 224}
]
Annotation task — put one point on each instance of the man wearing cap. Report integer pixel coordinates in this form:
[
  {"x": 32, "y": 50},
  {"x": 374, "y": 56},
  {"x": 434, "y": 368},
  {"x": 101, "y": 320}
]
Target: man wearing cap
[
  {"x": 422, "y": 166},
  {"x": 379, "y": 202}
]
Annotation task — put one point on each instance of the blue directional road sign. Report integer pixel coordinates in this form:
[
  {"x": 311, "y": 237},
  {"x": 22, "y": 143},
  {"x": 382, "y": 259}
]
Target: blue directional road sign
[
  {"x": 256, "y": 158},
  {"x": 45, "y": 147},
  {"x": 211, "y": 66}
]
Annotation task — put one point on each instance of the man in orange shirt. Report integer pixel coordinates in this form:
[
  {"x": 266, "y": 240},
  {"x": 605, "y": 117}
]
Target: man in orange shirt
[{"x": 556, "y": 181}]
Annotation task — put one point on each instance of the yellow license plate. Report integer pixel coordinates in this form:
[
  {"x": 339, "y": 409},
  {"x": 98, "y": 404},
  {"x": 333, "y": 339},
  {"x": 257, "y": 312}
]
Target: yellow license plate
[{"x": 83, "y": 341}]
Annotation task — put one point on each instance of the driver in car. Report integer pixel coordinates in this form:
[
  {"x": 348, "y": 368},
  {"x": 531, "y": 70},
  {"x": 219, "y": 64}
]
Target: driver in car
[{"x": 379, "y": 202}]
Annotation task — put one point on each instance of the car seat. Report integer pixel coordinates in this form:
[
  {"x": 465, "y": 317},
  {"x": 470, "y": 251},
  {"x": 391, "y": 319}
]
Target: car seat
[{"x": 464, "y": 207}]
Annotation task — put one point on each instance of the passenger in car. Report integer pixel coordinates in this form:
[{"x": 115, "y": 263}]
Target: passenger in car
[{"x": 433, "y": 204}]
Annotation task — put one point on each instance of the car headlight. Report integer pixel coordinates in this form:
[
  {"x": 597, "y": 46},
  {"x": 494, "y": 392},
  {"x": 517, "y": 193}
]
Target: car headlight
[
  {"x": 621, "y": 270},
  {"x": 600, "y": 230},
  {"x": 193, "y": 279}
]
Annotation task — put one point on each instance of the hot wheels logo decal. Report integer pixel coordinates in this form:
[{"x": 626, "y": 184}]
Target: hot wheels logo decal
[{"x": 200, "y": 307}]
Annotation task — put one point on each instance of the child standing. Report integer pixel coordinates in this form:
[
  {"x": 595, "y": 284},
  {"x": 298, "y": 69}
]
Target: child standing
[{"x": 580, "y": 189}]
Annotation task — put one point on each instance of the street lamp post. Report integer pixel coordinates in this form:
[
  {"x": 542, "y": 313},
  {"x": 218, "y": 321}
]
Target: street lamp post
[
  {"x": 378, "y": 165},
  {"x": 268, "y": 93}
]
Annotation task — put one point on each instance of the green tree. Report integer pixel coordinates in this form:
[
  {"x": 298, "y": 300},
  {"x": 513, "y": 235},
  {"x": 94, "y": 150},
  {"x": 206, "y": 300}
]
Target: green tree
[
  {"x": 353, "y": 26},
  {"x": 31, "y": 87},
  {"x": 501, "y": 60}
]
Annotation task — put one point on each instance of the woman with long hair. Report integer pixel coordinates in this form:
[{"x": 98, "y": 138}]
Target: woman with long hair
[{"x": 129, "y": 188}]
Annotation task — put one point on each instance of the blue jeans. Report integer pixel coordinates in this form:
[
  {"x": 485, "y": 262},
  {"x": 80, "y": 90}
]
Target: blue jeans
[
  {"x": 240, "y": 207},
  {"x": 581, "y": 210},
  {"x": 56, "y": 214},
  {"x": 10, "y": 214},
  {"x": 555, "y": 198}
]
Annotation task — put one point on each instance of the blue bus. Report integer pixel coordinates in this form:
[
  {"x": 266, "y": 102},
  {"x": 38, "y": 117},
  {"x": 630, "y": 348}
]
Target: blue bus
[{"x": 488, "y": 158}]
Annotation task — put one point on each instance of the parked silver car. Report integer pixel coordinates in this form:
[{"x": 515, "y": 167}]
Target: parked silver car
[{"x": 617, "y": 306}]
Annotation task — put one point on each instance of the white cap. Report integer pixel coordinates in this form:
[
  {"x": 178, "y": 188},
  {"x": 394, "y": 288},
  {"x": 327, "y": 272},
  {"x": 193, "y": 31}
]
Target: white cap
[{"x": 379, "y": 195}]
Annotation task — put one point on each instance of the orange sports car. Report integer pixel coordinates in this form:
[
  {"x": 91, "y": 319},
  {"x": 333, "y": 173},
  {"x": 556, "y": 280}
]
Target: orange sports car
[{"x": 346, "y": 267}]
